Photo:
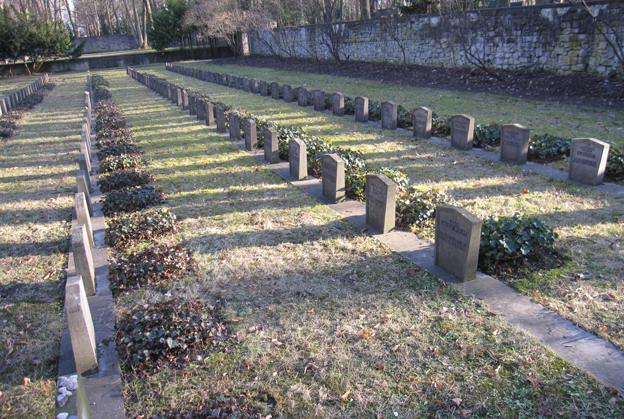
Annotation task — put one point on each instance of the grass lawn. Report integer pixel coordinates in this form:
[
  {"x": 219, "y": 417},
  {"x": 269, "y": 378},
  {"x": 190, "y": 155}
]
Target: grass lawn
[
  {"x": 36, "y": 197},
  {"x": 9, "y": 84},
  {"x": 540, "y": 116},
  {"x": 587, "y": 289},
  {"x": 324, "y": 320}
]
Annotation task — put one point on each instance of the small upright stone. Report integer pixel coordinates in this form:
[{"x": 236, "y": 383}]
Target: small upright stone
[
  {"x": 588, "y": 160},
  {"x": 179, "y": 100},
  {"x": 388, "y": 115},
  {"x": 200, "y": 107},
  {"x": 253, "y": 86},
  {"x": 462, "y": 131},
  {"x": 457, "y": 240},
  {"x": 275, "y": 90},
  {"x": 185, "y": 103},
  {"x": 338, "y": 104},
  {"x": 302, "y": 97},
  {"x": 421, "y": 120},
  {"x": 271, "y": 146},
  {"x": 381, "y": 192},
  {"x": 83, "y": 258},
  {"x": 234, "y": 126},
  {"x": 80, "y": 325},
  {"x": 333, "y": 177},
  {"x": 209, "y": 113},
  {"x": 514, "y": 144},
  {"x": 81, "y": 186},
  {"x": 251, "y": 137},
  {"x": 318, "y": 98},
  {"x": 85, "y": 168},
  {"x": 83, "y": 216},
  {"x": 220, "y": 116},
  {"x": 287, "y": 93},
  {"x": 264, "y": 88},
  {"x": 361, "y": 109},
  {"x": 298, "y": 159}
]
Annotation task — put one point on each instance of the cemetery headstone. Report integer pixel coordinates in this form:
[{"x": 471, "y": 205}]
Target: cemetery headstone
[
  {"x": 588, "y": 160},
  {"x": 381, "y": 192},
  {"x": 333, "y": 177},
  {"x": 83, "y": 258},
  {"x": 298, "y": 159},
  {"x": 462, "y": 131},
  {"x": 83, "y": 216},
  {"x": 388, "y": 115},
  {"x": 457, "y": 239},
  {"x": 514, "y": 144},
  {"x": 251, "y": 137},
  {"x": 338, "y": 104},
  {"x": 361, "y": 109},
  {"x": 234, "y": 126},
  {"x": 318, "y": 98},
  {"x": 287, "y": 93},
  {"x": 421, "y": 120},
  {"x": 80, "y": 325},
  {"x": 220, "y": 117},
  {"x": 275, "y": 90},
  {"x": 302, "y": 97},
  {"x": 271, "y": 147},
  {"x": 264, "y": 88}
]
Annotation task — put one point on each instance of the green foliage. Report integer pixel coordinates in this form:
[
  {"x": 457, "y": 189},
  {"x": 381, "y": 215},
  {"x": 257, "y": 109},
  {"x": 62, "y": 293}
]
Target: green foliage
[
  {"x": 415, "y": 209},
  {"x": 168, "y": 333},
  {"x": 112, "y": 137},
  {"x": 124, "y": 178},
  {"x": 168, "y": 25},
  {"x": 487, "y": 135},
  {"x": 131, "y": 199},
  {"x": 97, "y": 80},
  {"x": 120, "y": 162},
  {"x": 349, "y": 105},
  {"x": 374, "y": 110},
  {"x": 440, "y": 126},
  {"x": 101, "y": 93},
  {"x": 416, "y": 7},
  {"x": 355, "y": 180},
  {"x": 404, "y": 117},
  {"x": 117, "y": 149},
  {"x": 508, "y": 239},
  {"x": 548, "y": 148},
  {"x": 126, "y": 229},
  {"x": 615, "y": 164},
  {"x": 153, "y": 266}
]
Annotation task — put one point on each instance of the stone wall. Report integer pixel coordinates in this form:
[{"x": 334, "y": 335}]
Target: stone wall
[
  {"x": 559, "y": 38},
  {"x": 109, "y": 43}
]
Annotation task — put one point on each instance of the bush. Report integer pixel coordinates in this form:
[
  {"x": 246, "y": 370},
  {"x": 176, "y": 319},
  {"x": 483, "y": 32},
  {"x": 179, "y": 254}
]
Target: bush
[
  {"x": 117, "y": 150},
  {"x": 97, "y": 80},
  {"x": 415, "y": 209},
  {"x": 315, "y": 148},
  {"x": 112, "y": 137},
  {"x": 486, "y": 136},
  {"x": 124, "y": 178},
  {"x": 404, "y": 117},
  {"x": 440, "y": 126},
  {"x": 153, "y": 266},
  {"x": 615, "y": 164},
  {"x": 131, "y": 199},
  {"x": 123, "y": 161},
  {"x": 349, "y": 105},
  {"x": 169, "y": 332},
  {"x": 31, "y": 101},
  {"x": 356, "y": 181},
  {"x": 284, "y": 135},
  {"x": 101, "y": 93},
  {"x": 374, "y": 110},
  {"x": 127, "y": 229},
  {"x": 509, "y": 239},
  {"x": 548, "y": 148},
  {"x": 7, "y": 126},
  {"x": 110, "y": 120}
]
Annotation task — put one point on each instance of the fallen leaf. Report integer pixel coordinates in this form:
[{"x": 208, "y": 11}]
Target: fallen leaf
[
  {"x": 345, "y": 395},
  {"x": 365, "y": 334},
  {"x": 456, "y": 401}
]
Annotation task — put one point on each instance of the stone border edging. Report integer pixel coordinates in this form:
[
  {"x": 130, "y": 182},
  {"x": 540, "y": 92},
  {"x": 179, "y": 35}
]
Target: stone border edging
[
  {"x": 586, "y": 351},
  {"x": 494, "y": 156},
  {"x": 99, "y": 394},
  {"x": 8, "y": 103}
]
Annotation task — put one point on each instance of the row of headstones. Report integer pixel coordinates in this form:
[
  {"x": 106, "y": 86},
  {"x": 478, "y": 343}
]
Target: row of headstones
[
  {"x": 83, "y": 284},
  {"x": 9, "y": 102},
  {"x": 588, "y": 156},
  {"x": 457, "y": 233}
]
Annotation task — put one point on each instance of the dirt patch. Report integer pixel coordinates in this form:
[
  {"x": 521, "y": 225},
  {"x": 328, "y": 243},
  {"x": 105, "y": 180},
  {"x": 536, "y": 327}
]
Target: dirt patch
[
  {"x": 514, "y": 270},
  {"x": 580, "y": 89}
]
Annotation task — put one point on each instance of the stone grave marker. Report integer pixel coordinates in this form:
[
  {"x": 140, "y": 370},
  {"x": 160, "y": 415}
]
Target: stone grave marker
[
  {"x": 80, "y": 325},
  {"x": 298, "y": 159},
  {"x": 514, "y": 144},
  {"x": 81, "y": 186},
  {"x": 588, "y": 160},
  {"x": 264, "y": 88},
  {"x": 462, "y": 131},
  {"x": 220, "y": 117},
  {"x": 318, "y": 98},
  {"x": 388, "y": 115},
  {"x": 251, "y": 137},
  {"x": 271, "y": 150},
  {"x": 209, "y": 112},
  {"x": 381, "y": 192},
  {"x": 421, "y": 120},
  {"x": 275, "y": 90},
  {"x": 361, "y": 109},
  {"x": 83, "y": 216},
  {"x": 83, "y": 258},
  {"x": 338, "y": 104},
  {"x": 234, "y": 126},
  {"x": 333, "y": 177},
  {"x": 287, "y": 93},
  {"x": 457, "y": 240},
  {"x": 302, "y": 97}
]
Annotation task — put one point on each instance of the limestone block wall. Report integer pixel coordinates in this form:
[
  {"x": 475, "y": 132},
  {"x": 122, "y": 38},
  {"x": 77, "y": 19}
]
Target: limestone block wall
[{"x": 560, "y": 38}]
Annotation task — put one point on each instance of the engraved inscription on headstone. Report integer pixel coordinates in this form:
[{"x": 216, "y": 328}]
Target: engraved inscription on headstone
[
  {"x": 297, "y": 159},
  {"x": 381, "y": 194},
  {"x": 462, "y": 131},
  {"x": 588, "y": 160},
  {"x": 333, "y": 177},
  {"x": 514, "y": 144},
  {"x": 361, "y": 109},
  {"x": 421, "y": 120}
]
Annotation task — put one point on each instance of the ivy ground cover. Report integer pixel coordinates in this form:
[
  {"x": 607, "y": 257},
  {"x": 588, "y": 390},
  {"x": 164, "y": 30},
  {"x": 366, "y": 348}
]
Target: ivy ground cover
[
  {"x": 586, "y": 289},
  {"x": 322, "y": 320}
]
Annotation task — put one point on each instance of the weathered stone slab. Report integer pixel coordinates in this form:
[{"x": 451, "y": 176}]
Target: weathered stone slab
[
  {"x": 83, "y": 216},
  {"x": 85, "y": 168},
  {"x": 234, "y": 126},
  {"x": 338, "y": 104},
  {"x": 253, "y": 86},
  {"x": 333, "y": 177},
  {"x": 462, "y": 131},
  {"x": 209, "y": 113},
  {"x": 264, "y": 88},
  {"x": 514, "y": 144},
  {"x": 298, "y": 159},
  {"x": 185, "y": 103},
  {"x": 302, "y": 97},
  {"x": 192, "y": 106},
  {"x": 251, "y": 137},
  {"x": 421, "y": 120},
  {"x": 588, "y": 160},
  {"x": 83, "y": 258},
  {"x": 457, "y": 240},
  {"x": 275, "y": 90},
  {"x": 381, "y": 193},
  {"x": 287, "y": 93},
  {"x": 271, "y": 146},
  {"x": 82, "y": 186},
  {"x": 85, "y": 150},
  {"x": 361, "y": 109},
  {"x": 318, "y": 99},
  {"x": 389, "y": 115},
  {"x": 220, "y": 117},
  {"x": 179, "y": 100},
  {"x": 80, "y": 324}
]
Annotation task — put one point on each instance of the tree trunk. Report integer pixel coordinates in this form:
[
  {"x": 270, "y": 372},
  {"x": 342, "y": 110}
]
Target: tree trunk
[
  {"x": 365, "y": 9},
  {"x": 71, "y": 20}
]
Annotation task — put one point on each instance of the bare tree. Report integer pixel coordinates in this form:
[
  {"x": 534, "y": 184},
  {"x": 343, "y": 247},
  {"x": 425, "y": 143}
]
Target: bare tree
[{"x": 391, "y": 26}]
